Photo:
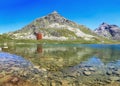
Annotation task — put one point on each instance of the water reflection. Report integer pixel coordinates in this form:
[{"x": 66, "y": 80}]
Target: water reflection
[
  {"x": 39, "y": 48},
  {"x": 84, "y": 71},
  {"x": 4, "y": 47},
  {"x": 65, "y": 54},
  {"x": 94, "y": 66}
]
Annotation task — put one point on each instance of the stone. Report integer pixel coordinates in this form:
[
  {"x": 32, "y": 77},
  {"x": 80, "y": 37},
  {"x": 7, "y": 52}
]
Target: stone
[
  {"x": 114, "y": 78},
  {"x": 91, "y": 69},
  {"x": 15, "y": 80},
  {"x": 53, "y": 83},
  {"x": 64, "y": 83},
  {"x": 116, "y": 72},
  {"x": 109, "y": 72},
  {"x": 84, "y": 68},
  {"x": 36, "y": 71},
  {"x": 87, "y": 73},
  {"x": 43, "y": 69},
  {"x": 1, "y": 75}
]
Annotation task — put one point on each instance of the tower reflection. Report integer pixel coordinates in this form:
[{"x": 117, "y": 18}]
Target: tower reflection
[{"x": 39, "y": 48}]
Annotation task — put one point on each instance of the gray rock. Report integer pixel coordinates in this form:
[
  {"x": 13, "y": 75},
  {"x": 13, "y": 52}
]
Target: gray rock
[
  {"x": 91, "y": 69},
  {"x": 108, "y": 31},
  {"x": 87, "y": 73},
  {"x": 116, "y": 72},
  {"x": 109, "y": 72},
  {"x": 114, "y": 78}
]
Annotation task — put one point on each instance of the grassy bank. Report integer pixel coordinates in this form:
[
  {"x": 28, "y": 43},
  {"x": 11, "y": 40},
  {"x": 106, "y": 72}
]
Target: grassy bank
[
  {"x": 7, "y": 39},
  {"x": 78, "y": 41}
]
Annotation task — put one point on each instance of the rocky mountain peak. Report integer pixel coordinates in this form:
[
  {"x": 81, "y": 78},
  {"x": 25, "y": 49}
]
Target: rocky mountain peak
[
  {"x": 56, "y": 17},
  {"x": 108, "y": 31},
  {"x": 103, "y": 26},
  {"x": 104, "y": 23},
  {"x": 55, "y": 12}
]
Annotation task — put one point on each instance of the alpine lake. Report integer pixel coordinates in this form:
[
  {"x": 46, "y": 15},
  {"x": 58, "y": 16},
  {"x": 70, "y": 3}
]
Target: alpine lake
[{"x": 60, "y": 65}]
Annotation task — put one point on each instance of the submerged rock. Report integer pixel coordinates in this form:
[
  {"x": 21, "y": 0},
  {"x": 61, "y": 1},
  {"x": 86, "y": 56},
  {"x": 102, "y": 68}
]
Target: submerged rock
[
  {"x": 15, "y": 80},
  {"x": 17, "y": 66},
  {"x": 87, "y": 73},
  {"x": 114, "y": 78},
  {"x": 1, "y": 75},
  {"x": 92, "y": 69}
]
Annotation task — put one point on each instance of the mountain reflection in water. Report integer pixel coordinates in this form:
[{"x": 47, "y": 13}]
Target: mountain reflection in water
[
  {"x": 95, "y": 67},
  {"x": 83, "y": 62},
  {"x": 60, "y": 54}
]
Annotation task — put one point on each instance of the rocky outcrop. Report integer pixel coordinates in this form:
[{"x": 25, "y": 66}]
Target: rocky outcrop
[
  {"x": 52, "y": 18},
  {"x": 109, "y": 31}
]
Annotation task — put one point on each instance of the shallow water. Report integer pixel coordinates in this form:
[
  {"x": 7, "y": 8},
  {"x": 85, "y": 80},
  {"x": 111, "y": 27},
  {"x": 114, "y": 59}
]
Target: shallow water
[{"x": 69, "y": 59}]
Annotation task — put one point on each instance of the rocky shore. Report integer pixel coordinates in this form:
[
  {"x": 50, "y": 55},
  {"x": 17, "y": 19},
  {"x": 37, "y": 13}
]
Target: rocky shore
[{"x": 16, "y": 71}]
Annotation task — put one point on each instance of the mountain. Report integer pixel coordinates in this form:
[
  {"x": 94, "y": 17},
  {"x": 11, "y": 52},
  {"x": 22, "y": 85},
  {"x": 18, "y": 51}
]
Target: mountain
[
  {"x": 54, "y": 27},
  {"x": 108, "y": 31}
]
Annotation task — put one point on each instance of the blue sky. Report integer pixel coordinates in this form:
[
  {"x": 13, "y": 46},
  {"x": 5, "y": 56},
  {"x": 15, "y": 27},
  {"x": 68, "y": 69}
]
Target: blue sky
[{"x": 15, "y": 14}]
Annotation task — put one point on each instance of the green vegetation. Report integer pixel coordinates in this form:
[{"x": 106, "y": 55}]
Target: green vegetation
[
  {"x": 86, "y": 30},
  {"x": 5, "y": 38},
  {"x": 97, "y": 40}
]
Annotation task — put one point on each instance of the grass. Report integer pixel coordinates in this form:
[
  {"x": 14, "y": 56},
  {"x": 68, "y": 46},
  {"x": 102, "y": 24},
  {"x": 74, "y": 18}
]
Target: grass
[
  {"x": 97, "y": 40},
  {"x": 43, "y": 41}
]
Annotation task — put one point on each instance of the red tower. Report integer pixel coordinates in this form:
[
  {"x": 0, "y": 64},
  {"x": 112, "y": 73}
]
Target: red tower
[{"x": 39, "y": 36}]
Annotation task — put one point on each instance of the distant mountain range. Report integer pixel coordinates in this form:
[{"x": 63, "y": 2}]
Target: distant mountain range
[
  {"x": 56, "y": 27},
  {"x": 108, "y": 31}
]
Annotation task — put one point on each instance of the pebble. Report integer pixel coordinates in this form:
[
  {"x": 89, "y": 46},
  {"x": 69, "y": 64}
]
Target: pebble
[
  {"x": 15, "y": 80},
  {"x": 43, "y": 69},
  {"x": 0, "y": 49},
  {"x": 109, "y": 72},
  {"x": 116, "y": 72},
  {"x": 114, "y": 78},
  {"x": 85, "y": 69},
  {"x": 87, "y": 73},
  {"x": 1, "y": 75},
  {"x": 91, "y": 69}
]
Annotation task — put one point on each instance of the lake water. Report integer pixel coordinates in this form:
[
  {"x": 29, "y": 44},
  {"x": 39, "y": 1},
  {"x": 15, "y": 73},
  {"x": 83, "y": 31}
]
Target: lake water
[{"x": 82, "y": 60}]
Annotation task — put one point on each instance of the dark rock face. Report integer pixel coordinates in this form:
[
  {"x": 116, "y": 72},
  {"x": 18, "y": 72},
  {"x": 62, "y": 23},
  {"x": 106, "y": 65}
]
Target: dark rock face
[{"x": 109, "y": 31}]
